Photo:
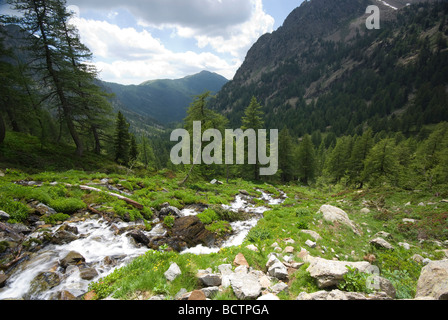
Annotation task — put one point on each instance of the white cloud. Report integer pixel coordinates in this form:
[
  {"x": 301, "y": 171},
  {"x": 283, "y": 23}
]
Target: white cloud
[
  {"x": 239, "y": 38},
  {"x": 203, "y": 14},
  {"x": 128, "y": 56},
  {"x": 223, "y": 30}
]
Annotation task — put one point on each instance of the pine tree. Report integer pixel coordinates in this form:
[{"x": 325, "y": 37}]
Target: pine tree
[
  {"x": 146, "y": 152},
  {"x": 285, "y": 149},
  {"x": 432, "y": 154},
  {"x": 209, "y": 119},
  {"x": 306, "y": 160},
  {"x": 253, "y": 119},
  {"x": 361, "y": 148},
  {"x": 133, "y": 148},
  {"x": 62, "y": 65},
  {"x": 253, "y": 116},
  {"x": 121, "y": 140},
  {"x": 381, "y": 163},
  {"x": 337, "y": 161}
]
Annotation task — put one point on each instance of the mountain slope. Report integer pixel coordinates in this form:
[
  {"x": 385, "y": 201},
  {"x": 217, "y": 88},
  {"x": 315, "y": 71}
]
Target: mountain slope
[
  {"x": 323, "y": 70},
  {"x": 165, "y": 100}
]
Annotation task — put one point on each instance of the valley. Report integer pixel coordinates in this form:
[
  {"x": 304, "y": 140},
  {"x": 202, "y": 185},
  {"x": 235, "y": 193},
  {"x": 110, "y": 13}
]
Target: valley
[{"x": 144, "y": 192}]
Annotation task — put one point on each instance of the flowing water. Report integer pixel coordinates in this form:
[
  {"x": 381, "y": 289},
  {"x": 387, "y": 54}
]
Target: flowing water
[
  {"x": 240, "y": 228},
  {"x": 100, "y": 240}
]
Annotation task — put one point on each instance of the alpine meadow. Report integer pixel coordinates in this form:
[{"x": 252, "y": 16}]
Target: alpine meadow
[{"x": 318, "y": 172}]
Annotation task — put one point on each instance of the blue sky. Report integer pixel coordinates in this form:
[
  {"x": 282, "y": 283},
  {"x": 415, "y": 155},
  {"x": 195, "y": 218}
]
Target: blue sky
[{"x": 137, "y": 40}]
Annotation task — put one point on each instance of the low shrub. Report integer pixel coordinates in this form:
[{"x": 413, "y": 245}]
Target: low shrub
[
  {"x": 67, "y": 205},
  {"x": 208, "y": 216},
  {"x": 54, "y": 218}
]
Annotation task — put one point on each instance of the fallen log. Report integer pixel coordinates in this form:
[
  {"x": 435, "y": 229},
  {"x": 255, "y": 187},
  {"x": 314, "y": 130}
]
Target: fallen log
[{"x": 130, "y": 201}]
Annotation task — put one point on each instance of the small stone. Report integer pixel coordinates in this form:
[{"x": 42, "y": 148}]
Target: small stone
[
  {"x": 405, "y": 245},
  {"x": 289, "y": 249},
  {"x": 268, "y": 296},
  {"x": 279, "y": 287},
  {"x": 197, "y": 295},
  {"x": 91, "y": 295},
  {"x": 252, "y": 247},
  {"x": 310, "y": 243},
  {"x": 173, "y": 272},
  {"x": 210, "y": 280},
  {"x": 88, "y": 273},
  {"x": 240, "y": 260}
]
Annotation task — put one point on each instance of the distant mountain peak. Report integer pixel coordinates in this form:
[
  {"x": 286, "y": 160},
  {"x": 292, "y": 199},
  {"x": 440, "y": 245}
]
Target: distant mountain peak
[{"x": 165, "y": 100}]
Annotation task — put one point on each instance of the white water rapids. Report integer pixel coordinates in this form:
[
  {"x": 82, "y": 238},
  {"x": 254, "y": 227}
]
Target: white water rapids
[{"x": 99, "y": 240}]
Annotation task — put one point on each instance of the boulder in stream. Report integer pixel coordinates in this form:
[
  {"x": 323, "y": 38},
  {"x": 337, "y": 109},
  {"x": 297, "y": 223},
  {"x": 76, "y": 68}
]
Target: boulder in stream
[
  {"x": 43, "y": 282},
  {"x": 188, "y": 232},
  {"x": 72, "y": 258}
]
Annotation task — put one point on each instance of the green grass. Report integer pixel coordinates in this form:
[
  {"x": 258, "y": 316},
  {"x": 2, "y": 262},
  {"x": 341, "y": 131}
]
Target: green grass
[
  {"x": 25, "y": 152},
  {"x": 299, "y": 211}
]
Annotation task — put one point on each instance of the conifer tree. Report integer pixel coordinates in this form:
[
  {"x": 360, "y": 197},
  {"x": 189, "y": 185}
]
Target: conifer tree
[
  {"x": 121, "y": 140},
  {"x": 361, "y": 148},
  {"x": 381, "y": 163},
  {"x": 306, "y": 160},
  {"x": 133, "y": 148},
  {"x": 253, "y": 119},
  {"x": 209, "y": 119},
  {"x": 62, "y": 65},
  {"x": 285, "y": 149},
  {"x": 337, "y": 163}
]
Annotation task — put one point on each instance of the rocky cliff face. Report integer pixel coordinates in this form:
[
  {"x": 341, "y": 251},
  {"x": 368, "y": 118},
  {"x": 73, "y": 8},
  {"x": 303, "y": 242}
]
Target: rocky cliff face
[{"x": 320, "y": 43}]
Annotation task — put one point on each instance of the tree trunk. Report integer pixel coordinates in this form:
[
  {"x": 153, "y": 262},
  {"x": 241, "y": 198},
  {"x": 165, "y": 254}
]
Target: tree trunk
[
  {"x": 97, "y": 149},
  {"x": 12, "y": 118},
  {"x": 2, "y": 129}
]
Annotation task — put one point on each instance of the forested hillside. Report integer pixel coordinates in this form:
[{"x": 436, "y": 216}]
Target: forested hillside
[
  {"x": 164, "y": 100},
  {"x": 341, "y": 78}
]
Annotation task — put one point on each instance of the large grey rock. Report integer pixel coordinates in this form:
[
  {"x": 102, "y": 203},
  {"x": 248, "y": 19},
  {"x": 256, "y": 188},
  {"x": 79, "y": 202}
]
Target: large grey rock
[
  {"x": 433, "y": 281},
  {"x": 173, "y": 272},
  {"x": 245, "y": 286},
  {"x": 312, "y": 233},
  {"x": 4, "y": 215},
  {"x": 279, "y": 287},
  {"x": 209, "y": 279},
  {"x": 268, "y": 296},
  {"x": 88, "y": 273},
  {"x": 276, "y": 268},
  {"x": 43, "y": 282},
  {"x": 381, "y": 243},
  {"x": 170, "y": 210},
  {"x": 329, "y": 272},
  {"x": 72, "y": 258},
  {"x": 334, "y": 214},
  {"x": 331, "y": 295}
]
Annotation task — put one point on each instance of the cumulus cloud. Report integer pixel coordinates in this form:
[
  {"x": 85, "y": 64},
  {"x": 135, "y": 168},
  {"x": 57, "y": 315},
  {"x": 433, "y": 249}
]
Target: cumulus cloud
[
  {"x": 223, "y": 31},
  {"x": 207, "y": 15},
  {"x": 128, "y": 56}
]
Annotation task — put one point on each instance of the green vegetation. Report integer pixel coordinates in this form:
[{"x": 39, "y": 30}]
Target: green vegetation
[{"x": 363, "y": 143}]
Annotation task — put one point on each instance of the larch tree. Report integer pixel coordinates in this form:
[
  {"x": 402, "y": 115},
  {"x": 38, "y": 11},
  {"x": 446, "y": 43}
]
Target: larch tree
[
  {"x": 253, "y": 119},
  {"x": 62, "y": 63},
  {"x": 121, "y": 140},
  {"x": 306, "y": 160}
]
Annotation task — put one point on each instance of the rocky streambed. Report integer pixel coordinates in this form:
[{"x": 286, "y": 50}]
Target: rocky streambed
[{"x": 60, "y": 261}]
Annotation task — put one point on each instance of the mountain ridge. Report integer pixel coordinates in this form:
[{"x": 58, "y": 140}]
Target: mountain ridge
[
  {"x": 304, "y": 72},
  {"x": 165, "y": 100}
]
